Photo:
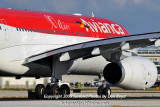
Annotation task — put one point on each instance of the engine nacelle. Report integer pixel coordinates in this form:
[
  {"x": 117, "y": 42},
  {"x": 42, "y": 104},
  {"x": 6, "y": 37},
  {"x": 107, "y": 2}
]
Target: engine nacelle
[{"x": 131, "y": 73}]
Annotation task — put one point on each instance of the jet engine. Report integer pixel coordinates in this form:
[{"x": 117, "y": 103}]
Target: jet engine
[{"x": 134, "y": 72}]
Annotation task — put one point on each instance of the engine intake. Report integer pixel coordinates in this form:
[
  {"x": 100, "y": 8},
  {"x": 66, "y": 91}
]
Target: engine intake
[
  {"x": 112, "y": 73},
  {"x": 131, "y": 73}
]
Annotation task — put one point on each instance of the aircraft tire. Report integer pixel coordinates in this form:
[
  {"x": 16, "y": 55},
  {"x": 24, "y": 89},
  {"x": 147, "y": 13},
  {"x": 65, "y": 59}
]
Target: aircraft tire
[
  {"x": 64, "y": 90},
  {"x": 100, "y": 91},
  {"x": 107, "y": 92},
  {"x": 54, "y": 90},
  {"x": 39, "y": 90}
]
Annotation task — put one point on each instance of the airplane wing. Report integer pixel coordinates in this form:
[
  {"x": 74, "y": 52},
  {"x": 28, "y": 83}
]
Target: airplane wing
[{"x": 105, "y": 47}]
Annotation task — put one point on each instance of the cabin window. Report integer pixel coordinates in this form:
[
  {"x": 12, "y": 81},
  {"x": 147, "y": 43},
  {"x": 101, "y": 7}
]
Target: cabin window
[
  {"x": 52, "y": 31},
  {"x": 25, "y": 29},
  {"x": 41, "y": 30},
  {"x": 30, "y": 29},
  {"x": 0, "y": 28},
  {"x": 16, "y": 28},
  {"x": 19, "y": 29},
  {"x": 64, "y": 32},
  {"x": 84, "y": 34},
  {"x": 59, "y": 32},
  {"x": 77, "y": 34},
  {"x": 89, "y": 34},
  {"x": 67, "y": 33},
  {"x": 22, "y": 29},
  {"x": 46, "y": 31},
  {"x": 33, "y": 30},
  {"x": 72, "y": 33},
  {"x": 106, "y": 36},
  {"x": 80, "y": 34}
]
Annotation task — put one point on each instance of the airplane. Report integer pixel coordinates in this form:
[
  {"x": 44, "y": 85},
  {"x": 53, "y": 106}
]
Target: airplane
[{"x": 42, "y": 44}]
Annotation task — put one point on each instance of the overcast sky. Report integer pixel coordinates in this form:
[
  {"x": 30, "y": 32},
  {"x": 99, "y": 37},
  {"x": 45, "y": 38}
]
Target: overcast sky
[{"x": 137, "y": 16}]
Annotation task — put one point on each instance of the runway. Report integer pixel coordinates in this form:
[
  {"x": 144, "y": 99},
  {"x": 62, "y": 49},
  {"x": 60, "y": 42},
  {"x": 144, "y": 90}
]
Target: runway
[
  {"x": 150, "y": 102},
  {"x": 136, "y": 98}
]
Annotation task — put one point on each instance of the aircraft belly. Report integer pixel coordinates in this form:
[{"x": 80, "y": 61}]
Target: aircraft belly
[{"x": 91, "y": 66}]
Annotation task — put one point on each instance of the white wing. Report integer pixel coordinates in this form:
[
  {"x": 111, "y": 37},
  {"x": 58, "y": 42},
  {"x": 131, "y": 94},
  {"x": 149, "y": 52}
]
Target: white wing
[{"x": 108, "y": 48}]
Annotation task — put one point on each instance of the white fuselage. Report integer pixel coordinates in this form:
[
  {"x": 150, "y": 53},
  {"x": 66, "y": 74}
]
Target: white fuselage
[{"x": 16, "y": 46}]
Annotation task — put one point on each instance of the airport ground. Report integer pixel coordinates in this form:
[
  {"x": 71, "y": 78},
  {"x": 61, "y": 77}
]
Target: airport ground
[{"x": 119, "y": 98}]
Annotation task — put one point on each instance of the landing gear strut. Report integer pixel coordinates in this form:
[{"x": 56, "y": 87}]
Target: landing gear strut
[
  {"x": 53, "y": 89},
  {"x": 104, "y": 91}
]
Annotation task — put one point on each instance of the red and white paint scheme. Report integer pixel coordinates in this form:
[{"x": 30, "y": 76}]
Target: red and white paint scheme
[{"x": 41, "y": 44}]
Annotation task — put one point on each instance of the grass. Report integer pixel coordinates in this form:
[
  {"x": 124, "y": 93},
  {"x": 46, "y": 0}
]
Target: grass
[{"x": 17, "y": 89}]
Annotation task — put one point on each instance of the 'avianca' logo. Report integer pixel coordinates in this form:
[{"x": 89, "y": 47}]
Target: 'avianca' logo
[
  {"x": 102, "y": 27},
  {"x": 82, "y": 24}
]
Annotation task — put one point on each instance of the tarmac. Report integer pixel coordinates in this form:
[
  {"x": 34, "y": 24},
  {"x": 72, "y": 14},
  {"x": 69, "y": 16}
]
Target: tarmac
[{"x": 84, "y": 99}]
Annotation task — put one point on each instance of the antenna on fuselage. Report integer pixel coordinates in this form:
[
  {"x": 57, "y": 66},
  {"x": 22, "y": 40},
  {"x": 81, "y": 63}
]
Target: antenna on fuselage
[
  {"x": 77, "y": 14},
  {"x": 92, "y": 14}
]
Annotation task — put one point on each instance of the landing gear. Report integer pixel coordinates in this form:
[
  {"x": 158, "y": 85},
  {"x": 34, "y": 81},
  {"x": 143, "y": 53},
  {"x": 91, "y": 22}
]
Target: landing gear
[
  {"x": 100, "y": 91},
  {"x": 64, "y": 90},
  {"x": 39, "y": 91},
  {"x": 104, "y": 91},
  {"x": 53, "y": 90}
]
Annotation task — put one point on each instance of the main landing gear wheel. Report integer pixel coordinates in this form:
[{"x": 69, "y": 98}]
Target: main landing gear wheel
[
  {"x": 100, "y": 91},
  {"x": 107, "y": 92},
  {"x": 64, "y": 90},
  {"x": 104, "y": 91},
  {"x": 39, "y": 90},
  {"x": 54, "y": 90}
]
